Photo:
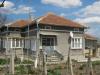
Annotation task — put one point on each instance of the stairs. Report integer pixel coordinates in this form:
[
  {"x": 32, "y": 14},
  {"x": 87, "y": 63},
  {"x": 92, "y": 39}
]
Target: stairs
[{"x": 53, "y": 57}]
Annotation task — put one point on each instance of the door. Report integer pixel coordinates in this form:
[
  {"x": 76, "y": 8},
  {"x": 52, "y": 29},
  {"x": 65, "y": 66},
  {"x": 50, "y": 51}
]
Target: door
[{"x": 48, "y": 42}]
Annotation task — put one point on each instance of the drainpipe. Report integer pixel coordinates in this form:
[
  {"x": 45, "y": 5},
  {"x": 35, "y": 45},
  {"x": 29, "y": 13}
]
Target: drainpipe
[
  {"x": 37, "y": 44},
  {"x": 38, "y": 48},
  {"x": 89, "y": 63},
  {"x": 69, "y": 55}
]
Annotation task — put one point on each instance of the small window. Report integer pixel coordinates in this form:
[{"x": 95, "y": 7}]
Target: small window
[
  {"x": 76, "y": 30},
  {"x": 17, "y": 43},
  {"x": 17, "y": 30},
  {"x": 13, "y": 42},
  {"x": 42, "y": 27},
  {"x": 47, "y": 27}
]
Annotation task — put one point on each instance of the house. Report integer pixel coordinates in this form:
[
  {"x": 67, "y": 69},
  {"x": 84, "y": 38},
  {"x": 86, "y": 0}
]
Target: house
[
  {"x": 91, "y": 43},
  {"x": 52, "y": 34}
]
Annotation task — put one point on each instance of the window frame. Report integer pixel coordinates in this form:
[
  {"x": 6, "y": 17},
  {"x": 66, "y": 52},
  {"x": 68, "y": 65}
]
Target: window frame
[
  {"x": 76, "y": 30},
  {"x": 77, "y": 43},
  {"x": 16, "y": 43},
  {"x": 49, "y": 41},
  {"x": 47, "y": 27}
]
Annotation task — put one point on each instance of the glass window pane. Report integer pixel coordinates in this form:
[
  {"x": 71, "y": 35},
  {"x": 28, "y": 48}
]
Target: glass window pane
[
  {"x": 76, "y": 43},
  {"x": 13, "y": 42},
  {"x": 17, "y": 42}
]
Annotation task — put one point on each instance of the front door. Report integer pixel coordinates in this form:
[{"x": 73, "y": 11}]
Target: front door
[{"x": 48, "y": 42}]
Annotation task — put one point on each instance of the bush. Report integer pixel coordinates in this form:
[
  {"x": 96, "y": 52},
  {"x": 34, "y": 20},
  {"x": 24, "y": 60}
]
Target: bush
[
  {"x": 54, "y": 72},
  {"x": 27, "y": 62},
  {"x": 21, "y": 69},
  {"x": 24, "y": 70},
  {"x": 3, "y": 61},
  {"x": 96, "y": 63}
]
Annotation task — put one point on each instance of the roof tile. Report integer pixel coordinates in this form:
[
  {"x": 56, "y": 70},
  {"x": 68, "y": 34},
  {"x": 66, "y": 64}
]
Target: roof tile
[
  {"x": 53, "y": 19},
  {"x": 20, "y": 23},
  {"x": 89, "y": 37},
  {"x": 50, "y": 19}
]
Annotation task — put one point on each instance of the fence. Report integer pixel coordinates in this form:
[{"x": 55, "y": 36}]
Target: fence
[{"x": 27, "y": 67}]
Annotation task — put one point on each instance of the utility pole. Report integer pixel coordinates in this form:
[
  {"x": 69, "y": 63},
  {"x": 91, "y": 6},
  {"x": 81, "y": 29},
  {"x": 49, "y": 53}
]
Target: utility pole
[
  {"x": 69, "y": 61},
  {"x": 28, "y": 38},
  {"x": 37, "y": 45},
  {"x": 44, "y": 68},
  {"x": 38, "y": 51},
  {"x": 9, "y": 52},
  {"x": 89, "y": 63},
  {"x": 12, "y": 62},
  {"x": 70, "y": 67},
  {"x": 7, "y": 47}
]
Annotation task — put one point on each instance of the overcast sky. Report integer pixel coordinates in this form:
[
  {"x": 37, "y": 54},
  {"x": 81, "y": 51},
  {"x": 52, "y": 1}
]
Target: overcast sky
[{"x": 85, "y": 12}]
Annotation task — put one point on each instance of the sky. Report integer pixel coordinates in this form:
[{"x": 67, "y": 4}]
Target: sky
[{"x": 85, "y": 12}]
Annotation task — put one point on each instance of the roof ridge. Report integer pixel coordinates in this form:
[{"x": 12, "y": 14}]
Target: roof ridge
[
  {"x": 49, "y": 14},
  {"x": 67, "y": 19},
  {"x": 42, "y": 17}
]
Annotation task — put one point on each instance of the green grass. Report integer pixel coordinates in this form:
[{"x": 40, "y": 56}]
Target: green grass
[
  {"x": 27, "y": 62},
  {"x": 24, "y": 70},
  {"x": 17, "y": 61},
  {"x": 3, "y": 61},
  {"x": 54, "y": 72},
  {"x": 96, "y": 63},
  {"x": 21, "y": 69}
]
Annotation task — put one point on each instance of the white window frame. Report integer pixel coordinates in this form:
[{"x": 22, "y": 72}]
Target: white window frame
[
  {"x": 13, "y": 40},
  {"x": 76, "y": 43}
]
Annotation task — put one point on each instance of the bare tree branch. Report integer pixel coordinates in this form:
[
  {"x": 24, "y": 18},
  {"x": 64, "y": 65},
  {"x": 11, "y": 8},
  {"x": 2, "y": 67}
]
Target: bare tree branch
[{"x": 2, "y": 4}]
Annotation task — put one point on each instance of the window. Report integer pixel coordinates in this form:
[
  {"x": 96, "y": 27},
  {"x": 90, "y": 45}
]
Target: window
[
  {"x": 76, "y": 43},
  {"x": 76, "y": 30},
  {"x": 16, "y": 43},
  {"x": 49, "y": 41},
  {"x": 13, "y": 42},
  {"x": 47, "y": 27},
  {"x": 17, "y": 29}
]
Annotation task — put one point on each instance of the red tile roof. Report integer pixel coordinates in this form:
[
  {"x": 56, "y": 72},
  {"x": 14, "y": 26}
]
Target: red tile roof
[
  {"x": 89, "y": 37},
  {"x": 50, "y": 19},
  {"x": 20, "y": 23},
  {"x": 53, "y": 19}
]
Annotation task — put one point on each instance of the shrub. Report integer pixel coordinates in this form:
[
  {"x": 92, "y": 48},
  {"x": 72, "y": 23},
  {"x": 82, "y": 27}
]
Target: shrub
[
  {"x": 3, "y": 61},
  {"x": 96, "y": 63}
]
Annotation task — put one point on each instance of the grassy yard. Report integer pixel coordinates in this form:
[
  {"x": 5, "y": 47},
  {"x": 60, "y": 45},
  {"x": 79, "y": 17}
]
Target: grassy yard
[{"x": 79, "y": 68}]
